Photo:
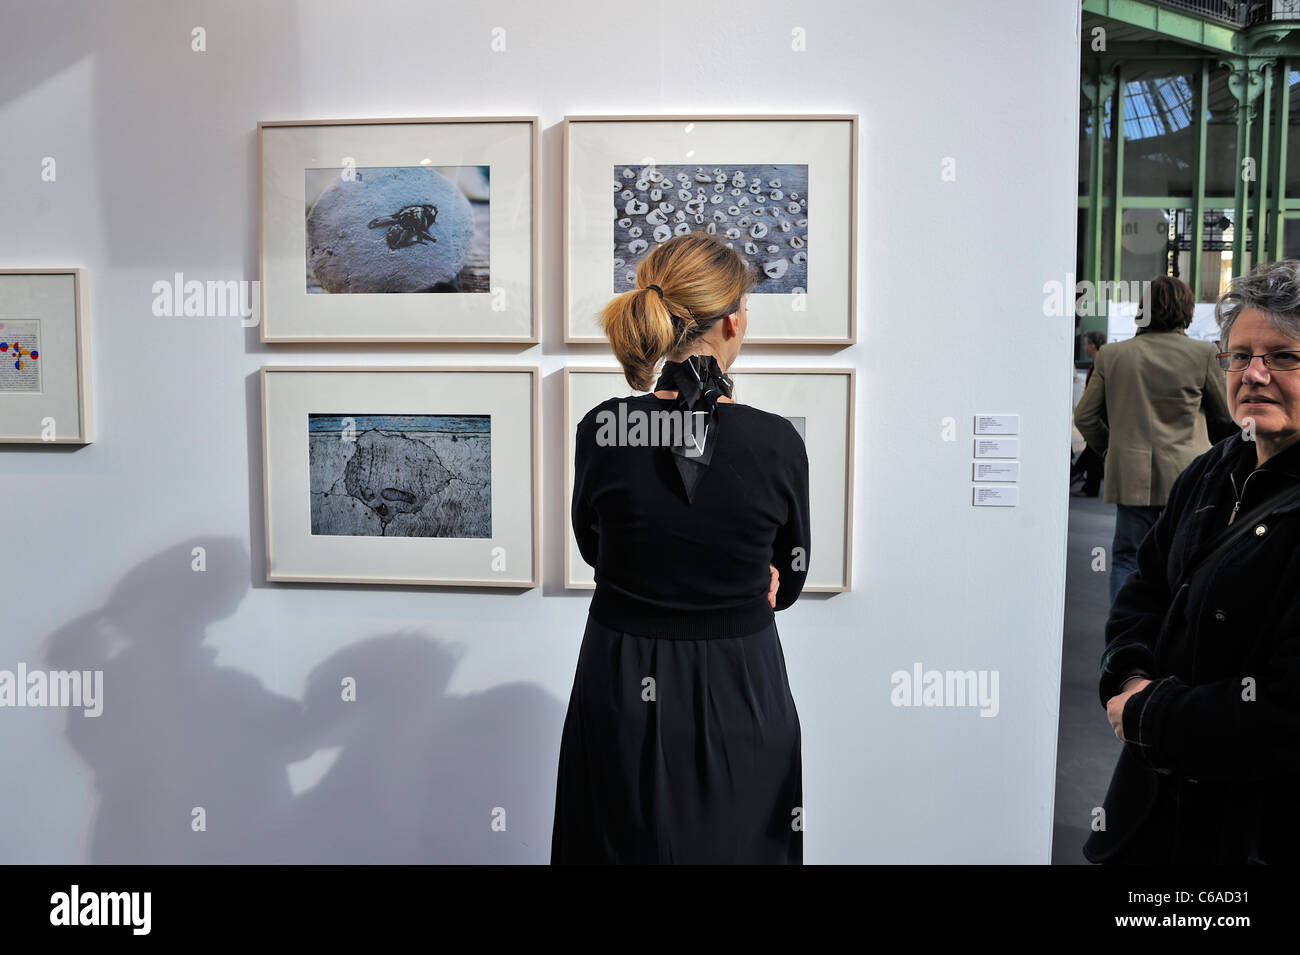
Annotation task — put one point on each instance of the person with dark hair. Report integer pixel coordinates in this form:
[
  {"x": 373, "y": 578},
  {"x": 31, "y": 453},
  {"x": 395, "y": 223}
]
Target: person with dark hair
[
  {"x": 1090, "y": 465},
  {"x": 1151, "y": 406},
  {"x": 1092, "y": 342},
  {"x": 682, "y": 742},
  {"x": 1201, "y": 673}
]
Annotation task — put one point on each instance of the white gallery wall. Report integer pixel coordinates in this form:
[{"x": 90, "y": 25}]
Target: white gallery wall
[{"x": 221, "y": 690}]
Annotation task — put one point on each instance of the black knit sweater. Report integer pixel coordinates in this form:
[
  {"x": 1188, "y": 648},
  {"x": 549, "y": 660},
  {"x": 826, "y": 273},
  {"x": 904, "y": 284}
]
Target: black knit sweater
[{"x": 667, "y": 568}]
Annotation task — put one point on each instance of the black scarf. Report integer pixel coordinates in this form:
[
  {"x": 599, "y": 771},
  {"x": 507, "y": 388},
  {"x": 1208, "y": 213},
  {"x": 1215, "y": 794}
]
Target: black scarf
[{"x": 699, "y": 383}]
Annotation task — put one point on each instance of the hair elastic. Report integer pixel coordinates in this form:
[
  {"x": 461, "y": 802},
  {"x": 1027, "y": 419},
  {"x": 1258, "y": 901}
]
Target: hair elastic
[{"x": 657, "y": 289}]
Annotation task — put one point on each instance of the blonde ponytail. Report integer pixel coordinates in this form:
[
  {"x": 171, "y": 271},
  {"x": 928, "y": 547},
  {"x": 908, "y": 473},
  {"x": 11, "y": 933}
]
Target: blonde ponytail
[
  {"x": 699, "y": 280},
  {"x": 640, "y": 331}
]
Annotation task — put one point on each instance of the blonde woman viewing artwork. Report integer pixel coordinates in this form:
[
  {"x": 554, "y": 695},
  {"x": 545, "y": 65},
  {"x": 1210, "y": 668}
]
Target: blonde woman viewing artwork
[{"x": 682, "y": 741}]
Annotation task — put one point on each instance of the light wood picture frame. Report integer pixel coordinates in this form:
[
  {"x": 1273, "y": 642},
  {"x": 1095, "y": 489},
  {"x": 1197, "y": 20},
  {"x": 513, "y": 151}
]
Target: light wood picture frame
[
  {"x": 811, "y": 394},
  {"x": 45, "y": 365},
  {"x": 399, "y": 230},
  {"x": 419, "y": 475},
  {"x": 794, "y": 216}
]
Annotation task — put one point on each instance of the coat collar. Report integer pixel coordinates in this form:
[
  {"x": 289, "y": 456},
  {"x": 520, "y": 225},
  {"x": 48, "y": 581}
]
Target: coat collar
[
  {"x": 1236, "y": 462},
  {"x": 1287, "y": 461},
  {"x": 1237, "y": 452}
]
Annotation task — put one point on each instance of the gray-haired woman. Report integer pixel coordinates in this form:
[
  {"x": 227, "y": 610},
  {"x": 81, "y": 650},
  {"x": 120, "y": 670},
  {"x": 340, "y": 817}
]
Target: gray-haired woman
[{"x": 1201, "y": 673}]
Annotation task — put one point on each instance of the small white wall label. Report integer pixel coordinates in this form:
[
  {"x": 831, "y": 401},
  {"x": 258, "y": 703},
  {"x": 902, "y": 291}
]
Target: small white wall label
[
  {"x": 1005, "y": 471},
  {"x": 997, "y": 447},
  {"x": 997, "y": 424},
  {"x": 996, "y": 496}
]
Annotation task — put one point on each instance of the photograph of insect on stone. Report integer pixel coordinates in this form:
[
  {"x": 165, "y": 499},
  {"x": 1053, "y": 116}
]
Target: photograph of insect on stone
[
  {"x": 392, "y": 229},
  {"x": 759, "y": 210}
]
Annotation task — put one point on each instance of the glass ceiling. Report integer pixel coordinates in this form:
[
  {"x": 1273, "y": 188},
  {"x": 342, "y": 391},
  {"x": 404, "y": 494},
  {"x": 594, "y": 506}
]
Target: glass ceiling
[{"x": 1157, "y": 106}]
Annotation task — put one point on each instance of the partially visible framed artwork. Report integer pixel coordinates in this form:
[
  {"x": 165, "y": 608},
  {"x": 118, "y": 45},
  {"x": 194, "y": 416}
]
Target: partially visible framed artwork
[
  {"x": 402, "y": 475},
  {"x": 399, "y": 230},
  {"x": 817, "y": 401},
  {"x": 45, "y": 393},
  {"x": 781, "y": 190}
]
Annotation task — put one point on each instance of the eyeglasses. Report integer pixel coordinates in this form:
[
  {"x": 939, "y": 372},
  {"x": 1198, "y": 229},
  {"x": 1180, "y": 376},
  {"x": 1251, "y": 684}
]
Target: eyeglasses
[{"x": 1273, "y": 361}]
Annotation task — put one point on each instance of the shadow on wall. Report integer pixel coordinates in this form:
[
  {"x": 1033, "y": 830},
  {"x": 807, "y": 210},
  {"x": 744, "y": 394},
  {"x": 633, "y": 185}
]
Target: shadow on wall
[{"x": 419, "y": 775}]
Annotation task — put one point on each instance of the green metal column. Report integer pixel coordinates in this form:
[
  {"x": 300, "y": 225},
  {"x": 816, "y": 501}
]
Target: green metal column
[
  {"x": 1097, "y": 89},
  {"x": 1239, "y": 186},
  {"x": 1117, "y": 210},
  {"x": 1261, "y": 181},
  {"x": 1283, "y": 75},
  {"x": 1245, "y": 83},
  {"x": 1198, "y": 193}
]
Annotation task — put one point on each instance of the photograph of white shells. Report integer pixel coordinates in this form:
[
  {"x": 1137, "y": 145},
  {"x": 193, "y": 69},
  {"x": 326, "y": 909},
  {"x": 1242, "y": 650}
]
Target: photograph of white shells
[
  {"x": 632, "y": 183},
  {"x": 398, "y": 229},
  {"x": 761, "y": 211}
]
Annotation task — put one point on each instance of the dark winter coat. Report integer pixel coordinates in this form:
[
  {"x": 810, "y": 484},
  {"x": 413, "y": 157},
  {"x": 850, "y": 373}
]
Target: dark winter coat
[{"x": 1210, "y": 769}]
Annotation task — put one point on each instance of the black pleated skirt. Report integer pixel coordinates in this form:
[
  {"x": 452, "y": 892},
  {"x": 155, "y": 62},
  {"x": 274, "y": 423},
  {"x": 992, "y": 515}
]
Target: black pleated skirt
[{"x": 679, "y": 751}]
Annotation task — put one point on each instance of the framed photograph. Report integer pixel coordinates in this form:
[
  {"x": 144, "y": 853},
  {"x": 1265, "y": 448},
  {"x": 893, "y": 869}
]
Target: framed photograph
[
  {"x": 399, "y": 230},
  {"x": 45, "y": 395},
  {"x": 781, "y": 190},
  {"x": 402, "y": 475},
  {"x": 817, "y": 401}
]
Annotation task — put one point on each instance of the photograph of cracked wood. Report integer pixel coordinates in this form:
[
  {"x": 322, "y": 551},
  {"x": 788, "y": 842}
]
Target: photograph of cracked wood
[{"x": 400, "y": 475}]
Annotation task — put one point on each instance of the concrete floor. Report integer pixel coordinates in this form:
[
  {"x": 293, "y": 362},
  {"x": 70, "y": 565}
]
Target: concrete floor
[{"x": 1086, "y": 747}]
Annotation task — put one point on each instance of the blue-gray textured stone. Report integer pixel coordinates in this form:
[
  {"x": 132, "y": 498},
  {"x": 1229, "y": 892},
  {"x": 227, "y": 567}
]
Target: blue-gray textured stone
[{"x": 346, "y": 254}]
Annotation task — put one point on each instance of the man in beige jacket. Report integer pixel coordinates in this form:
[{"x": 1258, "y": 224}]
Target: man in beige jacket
[{"x": 1152, "y": 405}]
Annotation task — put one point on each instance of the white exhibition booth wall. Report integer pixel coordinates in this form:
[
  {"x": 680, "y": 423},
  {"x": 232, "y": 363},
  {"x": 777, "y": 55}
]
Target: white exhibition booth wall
[{"x": 219, "y": 688}]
